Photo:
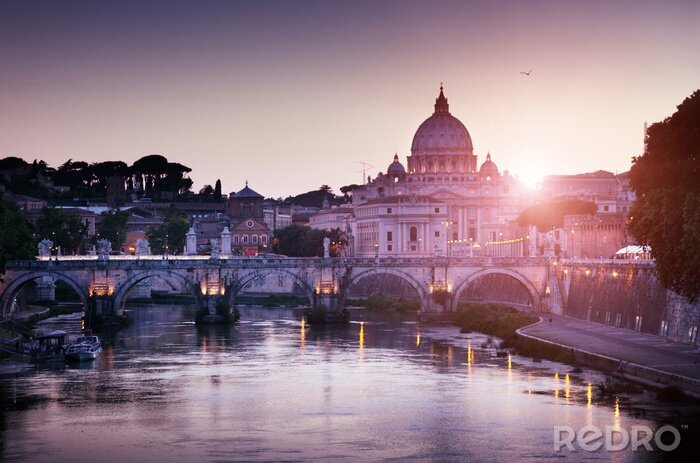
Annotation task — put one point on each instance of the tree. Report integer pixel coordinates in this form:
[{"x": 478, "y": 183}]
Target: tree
[
  {"x": 301, "y": 241},
  {"x": 217, "y": 190},
  {"x": 16, "y": 238},
  {"x": 113, "y": 227},
  {"x": 207, "y": 192},
  {"x": 64, "y": 228},
  {"x": 170, "y": 236},
  {"x": 74, "y": 175},
  {"x": 666, "y": 213},
  {"x": 314, "y": 198},
  {"x": 546, "y": 216}
]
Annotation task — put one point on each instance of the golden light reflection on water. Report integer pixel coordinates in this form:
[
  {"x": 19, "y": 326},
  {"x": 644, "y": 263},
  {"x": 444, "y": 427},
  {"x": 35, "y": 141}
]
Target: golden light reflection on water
[
  {"x": 556, "y": 386},
  {"x": 417, "y": 340},
  {"x": 589, "y": 395},
  {"x": 510, "y": 369},
  {"x": 362, "y": 335},
  {"x": 617, "y": 421},
  {"x": 302, "y": 335}
]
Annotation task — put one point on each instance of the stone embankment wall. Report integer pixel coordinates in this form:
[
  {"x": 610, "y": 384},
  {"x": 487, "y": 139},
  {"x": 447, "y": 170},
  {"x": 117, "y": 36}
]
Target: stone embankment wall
[{"x": 626, "y": 294}]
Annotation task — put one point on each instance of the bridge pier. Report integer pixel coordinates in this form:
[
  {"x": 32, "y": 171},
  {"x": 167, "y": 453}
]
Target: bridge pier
[
  {"x": 216, "y": 308},
  {"x": 101, "y": 311},
  {"x": 327, "y": 308}
]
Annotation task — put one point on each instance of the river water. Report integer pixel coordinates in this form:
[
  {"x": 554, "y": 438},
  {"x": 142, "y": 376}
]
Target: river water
[{"x": 273, "y": 388}]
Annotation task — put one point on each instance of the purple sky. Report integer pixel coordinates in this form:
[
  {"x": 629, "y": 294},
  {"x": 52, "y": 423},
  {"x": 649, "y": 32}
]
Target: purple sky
[{"x": 291, "y": 95}]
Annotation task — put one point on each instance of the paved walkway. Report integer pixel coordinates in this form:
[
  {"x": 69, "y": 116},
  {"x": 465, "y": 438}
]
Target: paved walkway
[{"x": 640, "y": 348}]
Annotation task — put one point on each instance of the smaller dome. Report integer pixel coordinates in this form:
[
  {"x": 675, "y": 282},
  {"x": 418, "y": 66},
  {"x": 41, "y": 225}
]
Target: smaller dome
[
  {"x": 395, "y": 168},
  {"x": 488, "y": 167}
]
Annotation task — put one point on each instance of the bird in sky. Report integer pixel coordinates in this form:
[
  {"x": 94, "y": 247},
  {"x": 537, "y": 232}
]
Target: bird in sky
[{"x": 526, "y": 73}]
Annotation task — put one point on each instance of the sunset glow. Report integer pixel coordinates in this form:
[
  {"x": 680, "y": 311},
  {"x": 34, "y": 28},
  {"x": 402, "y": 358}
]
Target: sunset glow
[{"x": 247, "y": 91}]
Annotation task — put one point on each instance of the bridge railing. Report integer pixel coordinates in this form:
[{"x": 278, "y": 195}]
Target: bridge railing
[{"x": 123, "y": 262}]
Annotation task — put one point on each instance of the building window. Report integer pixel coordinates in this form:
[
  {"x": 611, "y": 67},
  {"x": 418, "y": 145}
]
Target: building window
[
  {"x": 255, "y": 239},
  {"x": 388, "y": 210},
  {"x": 437, "y": 234},
  {"x": 413, "y": 248},
  {"x": 413, "y": 234},
  {"x": 388, "y": 247},
  {"x": 437, "y": 210},
  {"x": 236, "y": 239},
  {"x": 389, "y": 236},
  {"x": 263, "y": 239},
  {"x": 606, "y": 208},
  {"x": 245, "y": 239}
]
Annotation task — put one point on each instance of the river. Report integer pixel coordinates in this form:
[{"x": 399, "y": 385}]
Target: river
[{"x": 273, "y": 388}]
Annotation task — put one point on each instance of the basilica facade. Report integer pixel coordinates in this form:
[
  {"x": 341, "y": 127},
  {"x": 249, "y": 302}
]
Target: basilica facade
[{"x": 441, "y": 202}]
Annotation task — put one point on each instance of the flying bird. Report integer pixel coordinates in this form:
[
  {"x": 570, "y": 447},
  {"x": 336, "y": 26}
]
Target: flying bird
[{"x": 526, "y": 73}]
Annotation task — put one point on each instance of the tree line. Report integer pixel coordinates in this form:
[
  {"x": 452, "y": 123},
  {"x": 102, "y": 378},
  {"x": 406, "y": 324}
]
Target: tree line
[{"x": 151, "y": 176}]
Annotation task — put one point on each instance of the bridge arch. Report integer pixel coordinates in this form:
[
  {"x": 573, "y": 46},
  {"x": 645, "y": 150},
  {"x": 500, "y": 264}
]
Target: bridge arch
[
  {"x": 123, "y": 290},
  {"x": 18, "y": 283},
  {"x": 248, "y": 277},
  {"x": 422, "y": 294},
  {"x": 524, "y": 281}
]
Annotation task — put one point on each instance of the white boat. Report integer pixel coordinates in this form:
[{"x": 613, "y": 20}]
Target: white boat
[{"x": 84, "y": 348}]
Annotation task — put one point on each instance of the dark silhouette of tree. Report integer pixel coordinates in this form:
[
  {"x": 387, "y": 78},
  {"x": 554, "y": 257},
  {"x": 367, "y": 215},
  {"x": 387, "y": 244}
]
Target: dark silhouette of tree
[
  {"x": 64, "y": 228},
  {"x": 207, "y": 192},
  {"x": 169, "y": 236},
  {"x": 101, "y": 171},
  {"x": 113, "y": 227},
  {"x": 16, "y": 238},
  {"x": 301, "y": 241},
  {"x": 12, "y": 163},
  {"x": 74, "y": 175},
  {"x": 314, "y": 198},
  {"x": 217, "y": 190},
  {"x": 666, "y": 214},
  {"x": 546, "y": 216},
  {"x": 348, "y": 189}
]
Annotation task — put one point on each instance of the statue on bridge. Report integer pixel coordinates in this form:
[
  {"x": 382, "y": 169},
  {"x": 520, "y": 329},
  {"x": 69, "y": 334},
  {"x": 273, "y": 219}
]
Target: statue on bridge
[
  {"x": 143, "y": 248},
  {"x": 326, "y": 247},
  {"x": 104, "y": 248},
  {"x": 44, "y": 247}
]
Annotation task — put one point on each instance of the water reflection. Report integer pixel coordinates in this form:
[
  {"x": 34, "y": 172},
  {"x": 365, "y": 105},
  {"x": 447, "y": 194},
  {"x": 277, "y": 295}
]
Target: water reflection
[{"x": 167, "y": 390}]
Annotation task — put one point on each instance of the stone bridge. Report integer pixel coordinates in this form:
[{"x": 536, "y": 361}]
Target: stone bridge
[{"x": 104, "y": 284}]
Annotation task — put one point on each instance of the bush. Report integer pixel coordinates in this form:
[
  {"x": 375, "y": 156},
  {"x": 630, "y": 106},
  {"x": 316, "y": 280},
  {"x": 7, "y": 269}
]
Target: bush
[
  {"x": 494, "y": 319},
  {"x": 392, "y": 303}
]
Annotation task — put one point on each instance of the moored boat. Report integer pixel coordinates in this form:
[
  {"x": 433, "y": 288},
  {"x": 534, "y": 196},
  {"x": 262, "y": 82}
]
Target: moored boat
[
  {"x": 49, "y": 347},
  {"x": 84, "y": 348}
]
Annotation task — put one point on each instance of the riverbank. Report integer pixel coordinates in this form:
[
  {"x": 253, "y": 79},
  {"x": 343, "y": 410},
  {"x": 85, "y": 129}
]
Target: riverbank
[
  {"x": 649, "y": 360},
  {"x": 622, "y": 354},
  {"x": 503, "y": 322}
]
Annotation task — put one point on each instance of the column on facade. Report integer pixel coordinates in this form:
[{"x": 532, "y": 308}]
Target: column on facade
[
  {"x": 478, "y": 224},
  {"x": 460, "y": 223},
  {"x": 399, "y": 237},
  {"x": 425, "y": 237}
]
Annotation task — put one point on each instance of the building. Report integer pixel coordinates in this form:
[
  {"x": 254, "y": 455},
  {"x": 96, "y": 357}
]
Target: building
[
  {"x": 442, "y": 202},
  {"x": 250, "y": 234},
  {"x": 600, "y": 234}
]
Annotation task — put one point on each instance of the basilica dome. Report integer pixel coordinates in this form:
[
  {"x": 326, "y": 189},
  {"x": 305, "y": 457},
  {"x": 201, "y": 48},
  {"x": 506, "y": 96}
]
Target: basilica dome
[
  {"x": 488, "y": 167},
  {"x": 396, "y": 168},
  {"x": 442, "y": 133}
]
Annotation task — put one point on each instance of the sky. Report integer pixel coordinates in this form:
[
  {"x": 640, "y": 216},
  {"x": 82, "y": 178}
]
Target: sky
[{"x": 296, "y": 94}]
